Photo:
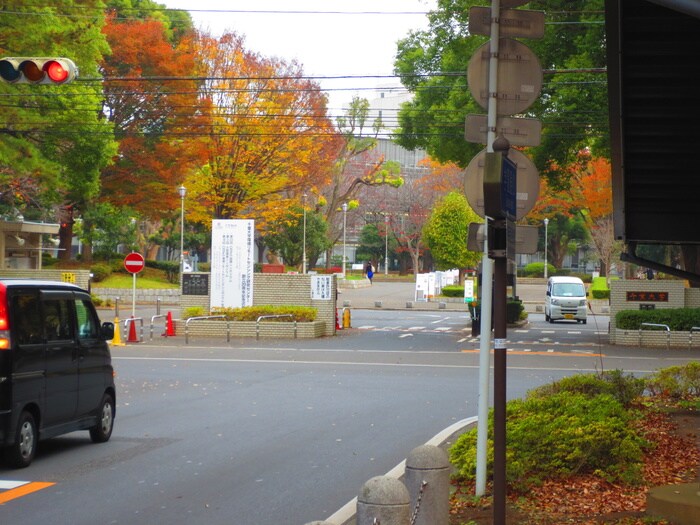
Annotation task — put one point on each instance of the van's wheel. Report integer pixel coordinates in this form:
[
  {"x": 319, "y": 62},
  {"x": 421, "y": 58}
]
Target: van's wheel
[
  {"x": 105, "y": 422},
  {"x": 21, "y": 453},
  {"x": 584, "y": 321}
]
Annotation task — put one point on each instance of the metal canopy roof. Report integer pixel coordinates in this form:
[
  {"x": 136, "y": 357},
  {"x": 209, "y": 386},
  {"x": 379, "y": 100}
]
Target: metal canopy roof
[{"x": 654, "y": 91}]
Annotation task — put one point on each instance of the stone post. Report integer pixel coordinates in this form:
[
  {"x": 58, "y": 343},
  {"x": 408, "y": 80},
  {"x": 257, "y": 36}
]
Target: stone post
[
  {"x": 428, "y": 483},
  {"x": 384, "y": 499}
]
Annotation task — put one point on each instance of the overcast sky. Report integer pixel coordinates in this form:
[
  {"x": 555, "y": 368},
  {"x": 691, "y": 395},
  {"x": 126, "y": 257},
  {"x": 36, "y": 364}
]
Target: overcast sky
[{"x": 325, "y": 43}]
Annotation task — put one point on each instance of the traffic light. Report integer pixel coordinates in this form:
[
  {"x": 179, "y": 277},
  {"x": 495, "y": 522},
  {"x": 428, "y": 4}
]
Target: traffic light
[{"x": 33, "y": 70}]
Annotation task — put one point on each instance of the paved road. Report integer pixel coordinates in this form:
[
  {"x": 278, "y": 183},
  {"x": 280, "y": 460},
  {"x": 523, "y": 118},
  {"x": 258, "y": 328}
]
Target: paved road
[
  {"x": 271, "y": 431},
  {"x": 396, "y": 295}
]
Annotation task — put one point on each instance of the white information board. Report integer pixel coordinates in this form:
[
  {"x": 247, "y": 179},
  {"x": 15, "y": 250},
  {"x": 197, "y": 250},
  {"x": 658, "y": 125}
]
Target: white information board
[
  {"x": 321, "y": 286},
  {"x": 232, "y": 259},
  {"x": 422, "y": 287},
  {"x": 469, "y": 290}
]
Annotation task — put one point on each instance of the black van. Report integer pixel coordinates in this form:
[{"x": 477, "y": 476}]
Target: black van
[{"x": 56, "y": 372}]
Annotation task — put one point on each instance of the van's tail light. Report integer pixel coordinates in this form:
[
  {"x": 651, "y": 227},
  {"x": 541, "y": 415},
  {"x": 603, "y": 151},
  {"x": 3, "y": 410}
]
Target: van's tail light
[{"x": 4, "y": 320}]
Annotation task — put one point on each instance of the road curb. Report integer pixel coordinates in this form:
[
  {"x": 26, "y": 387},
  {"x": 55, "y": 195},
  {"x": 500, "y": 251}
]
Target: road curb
[{"x": 346, "y": 514}]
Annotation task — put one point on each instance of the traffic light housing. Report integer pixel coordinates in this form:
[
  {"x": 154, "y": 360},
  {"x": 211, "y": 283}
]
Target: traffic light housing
[{"x": 37, "y": 70}]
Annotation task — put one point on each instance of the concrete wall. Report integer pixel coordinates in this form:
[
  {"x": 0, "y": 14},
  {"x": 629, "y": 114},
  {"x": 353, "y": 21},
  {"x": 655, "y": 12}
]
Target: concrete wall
[
  {"x": 278, "y": 290},
  {"x": 77, "y": 277}
]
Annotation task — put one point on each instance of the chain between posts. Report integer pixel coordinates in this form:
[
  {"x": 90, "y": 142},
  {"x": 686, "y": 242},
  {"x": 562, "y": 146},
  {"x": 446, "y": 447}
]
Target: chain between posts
[{"x": 418, "y": 501}]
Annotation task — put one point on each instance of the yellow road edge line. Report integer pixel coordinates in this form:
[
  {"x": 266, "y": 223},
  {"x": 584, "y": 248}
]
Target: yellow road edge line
[{"x": 24, "y": 490}]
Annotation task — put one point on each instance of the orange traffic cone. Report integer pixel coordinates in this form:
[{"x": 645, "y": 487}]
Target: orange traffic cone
[
  {"x": 169, "y": 327},
  {"x": 132, "y": 332}
]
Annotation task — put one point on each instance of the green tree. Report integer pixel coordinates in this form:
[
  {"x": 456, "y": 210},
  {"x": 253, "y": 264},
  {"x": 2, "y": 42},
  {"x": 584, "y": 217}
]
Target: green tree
[
  {"x": 286, "y": 238},
  {"x": 572, "y": 107},
  {"x": 374, "y": 242},
  {"x": 110, "y": 227},
  {"x": 446, "y": 231},
  {"x": 60, "y": 140}
]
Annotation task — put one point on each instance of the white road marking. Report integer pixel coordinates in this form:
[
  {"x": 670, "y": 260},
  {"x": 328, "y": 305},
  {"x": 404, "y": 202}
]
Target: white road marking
[{"x": 6, "y": 484}]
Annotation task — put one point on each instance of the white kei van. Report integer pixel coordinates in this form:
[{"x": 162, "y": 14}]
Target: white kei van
[{"x": 566, "y": 299}]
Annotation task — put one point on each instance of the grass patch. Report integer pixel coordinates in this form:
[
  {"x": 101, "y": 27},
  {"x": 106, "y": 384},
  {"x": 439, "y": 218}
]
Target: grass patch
[{"x": 150, "y": 279}]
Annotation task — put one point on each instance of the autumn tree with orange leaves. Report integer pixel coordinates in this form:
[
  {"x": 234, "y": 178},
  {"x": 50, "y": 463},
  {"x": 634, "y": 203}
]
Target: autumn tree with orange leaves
[
  {"x": 584, "y": 204},
  {"x": 154, "y": 104},
  {"x": 266, "y": 135}
]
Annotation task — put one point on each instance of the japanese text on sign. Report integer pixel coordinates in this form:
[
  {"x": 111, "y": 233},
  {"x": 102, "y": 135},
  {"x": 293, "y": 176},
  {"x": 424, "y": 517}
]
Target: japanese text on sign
[
  {"x": 232, "y": 251},
  {"x": 659, "y": 297},
  {"x": 321, "y": 287}
]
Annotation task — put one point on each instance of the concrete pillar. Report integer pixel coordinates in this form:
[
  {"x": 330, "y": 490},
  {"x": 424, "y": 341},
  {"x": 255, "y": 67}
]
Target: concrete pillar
[
  {"x": 384, "y": 499},
  {"x": 428, "y": 483}
]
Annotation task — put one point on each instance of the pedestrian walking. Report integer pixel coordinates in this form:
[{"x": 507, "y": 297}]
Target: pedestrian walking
[{"x": 369, "y": 271}]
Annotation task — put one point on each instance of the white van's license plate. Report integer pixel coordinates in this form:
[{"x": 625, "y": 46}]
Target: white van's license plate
[{"x": 568, "y": 316}]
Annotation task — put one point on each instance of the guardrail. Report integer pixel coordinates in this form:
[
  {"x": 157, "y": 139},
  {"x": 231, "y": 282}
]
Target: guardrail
[
  {"x": 690, "y": 336},
  {"x": 207, "y": 317},
  {"x": 655, "y": 325},
  {"x": 157, "y": 316},
  {"x": 257, "y": 323}
]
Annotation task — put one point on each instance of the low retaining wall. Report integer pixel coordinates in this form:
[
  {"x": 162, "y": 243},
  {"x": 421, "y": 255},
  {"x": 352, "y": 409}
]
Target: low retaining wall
[
  {"x": 268, "y": 329},
  {"x": 144, "y": 296},
  {"x": 656, "y": 338}
]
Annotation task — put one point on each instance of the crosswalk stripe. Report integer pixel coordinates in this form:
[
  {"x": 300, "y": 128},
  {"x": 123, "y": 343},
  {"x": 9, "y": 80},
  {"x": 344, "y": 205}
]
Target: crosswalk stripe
[{"x": 23, "y": 490}]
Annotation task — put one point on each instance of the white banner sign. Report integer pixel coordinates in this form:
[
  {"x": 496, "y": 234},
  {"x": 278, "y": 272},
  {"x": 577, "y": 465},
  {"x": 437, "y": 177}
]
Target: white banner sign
[
  {"x": 321, "y": 287},
  {"x": 232, "y": 259}
]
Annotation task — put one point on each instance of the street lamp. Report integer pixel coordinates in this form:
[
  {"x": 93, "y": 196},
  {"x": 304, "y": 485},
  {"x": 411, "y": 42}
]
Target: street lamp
[
  {"x": 303, "y": 255},
  {"x": 345, "y": 218},
  {"x": 546, "y": 222},
  {"x": 386, "y": 244},
  {"x": 182, "y": 191}
]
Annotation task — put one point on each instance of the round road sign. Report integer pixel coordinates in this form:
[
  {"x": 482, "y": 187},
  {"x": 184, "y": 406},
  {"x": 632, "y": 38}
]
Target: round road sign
[
  {"x": 519, "y": 76},
  {"x": 134, "y": 262},
  {"x": 528, "y": 183}
]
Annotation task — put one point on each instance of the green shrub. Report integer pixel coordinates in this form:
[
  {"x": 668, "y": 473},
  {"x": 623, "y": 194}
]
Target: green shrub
[
  {"x": 453, "y": 290},
  {"x": 171, "y": 269},
  {"x": 599, "y": 288},
  {"x": 99, "y": 301},
  {"x": 193, "y": 311},
  {"x": 677, "y": 319},
  {"x": 251, "y": 313},
  {"x": 100, "y": 272},
  {"x": 561, "y": 435},
  {"x": 537, "y": 270},
  {"x": 624, "y": 388},
  {"x": 677, "y": 382},
  {"x": 600, "y": 294}
]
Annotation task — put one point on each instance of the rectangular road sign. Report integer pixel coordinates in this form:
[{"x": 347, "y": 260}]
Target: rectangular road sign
[
  {"x": 518, "y": 131},
  {"x": 515, "y": 23}
]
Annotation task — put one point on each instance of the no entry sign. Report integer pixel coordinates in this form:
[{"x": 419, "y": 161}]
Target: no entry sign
[{"x": 134, "y": 262}]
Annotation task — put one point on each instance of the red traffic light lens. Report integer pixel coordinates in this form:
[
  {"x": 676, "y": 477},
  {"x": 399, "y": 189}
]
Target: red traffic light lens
[{"x": 56, "y": 71}]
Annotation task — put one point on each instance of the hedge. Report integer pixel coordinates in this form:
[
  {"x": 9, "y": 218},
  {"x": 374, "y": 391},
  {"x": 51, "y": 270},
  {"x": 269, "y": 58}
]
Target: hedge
[
  {"x": 599, "y": 288},
  {"x": 453, "y": 290},
  {"x": 677, "y": 319}
]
